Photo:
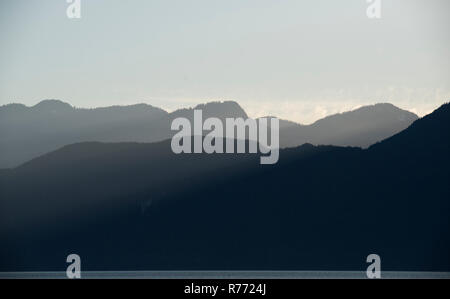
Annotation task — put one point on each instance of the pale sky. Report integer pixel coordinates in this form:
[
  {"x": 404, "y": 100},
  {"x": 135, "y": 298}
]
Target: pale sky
[{"x": 298, "y": 60}]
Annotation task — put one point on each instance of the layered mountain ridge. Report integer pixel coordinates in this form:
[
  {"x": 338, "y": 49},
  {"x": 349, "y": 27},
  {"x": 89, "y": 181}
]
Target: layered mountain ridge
[{"x": 28, "y": 132}]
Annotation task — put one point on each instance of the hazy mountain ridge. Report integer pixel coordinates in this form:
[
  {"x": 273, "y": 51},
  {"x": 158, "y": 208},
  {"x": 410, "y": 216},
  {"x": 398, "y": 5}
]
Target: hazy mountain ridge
[
  {"x": 361, "y": 127},
  {"x": 28, "y": 132}
]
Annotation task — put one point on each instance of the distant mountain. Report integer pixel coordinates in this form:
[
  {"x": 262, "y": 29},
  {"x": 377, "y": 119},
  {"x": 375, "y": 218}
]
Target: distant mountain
[
  {"x": 361, "y": 127},
  {"x": 28, "y": 132},
  {"x": 318, "y": 208},
  {"x": 222, "y": 110}
]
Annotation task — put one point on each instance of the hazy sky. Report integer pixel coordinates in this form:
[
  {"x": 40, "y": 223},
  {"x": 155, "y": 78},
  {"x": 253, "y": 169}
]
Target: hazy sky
[{"x": 299, "y": 60}]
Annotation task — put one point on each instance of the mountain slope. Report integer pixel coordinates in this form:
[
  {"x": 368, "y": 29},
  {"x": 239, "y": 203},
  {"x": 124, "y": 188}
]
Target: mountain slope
[{"x": 319, "y": 208}]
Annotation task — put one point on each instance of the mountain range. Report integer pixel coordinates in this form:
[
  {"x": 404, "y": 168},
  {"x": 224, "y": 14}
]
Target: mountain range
[
  {"x": 28, "y": 132},
  {"x": 138, "y": 206}
]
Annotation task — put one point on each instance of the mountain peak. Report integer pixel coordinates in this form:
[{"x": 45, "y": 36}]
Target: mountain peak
[
  {"x": 378, "y": 113},
  {"x": 54, "y": 105},
  {"x": 13, "y": 107},
  {"x": 218, "y": 109},
  {"x": 383, "y": 107},
  {"x": 231, "y": 108}
]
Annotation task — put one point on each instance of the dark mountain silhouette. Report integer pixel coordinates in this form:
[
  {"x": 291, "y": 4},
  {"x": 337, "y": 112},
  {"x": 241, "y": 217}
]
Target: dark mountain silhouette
[
  {"x": 131, "y": 206},
  {"x": 28, "y": 132}
]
